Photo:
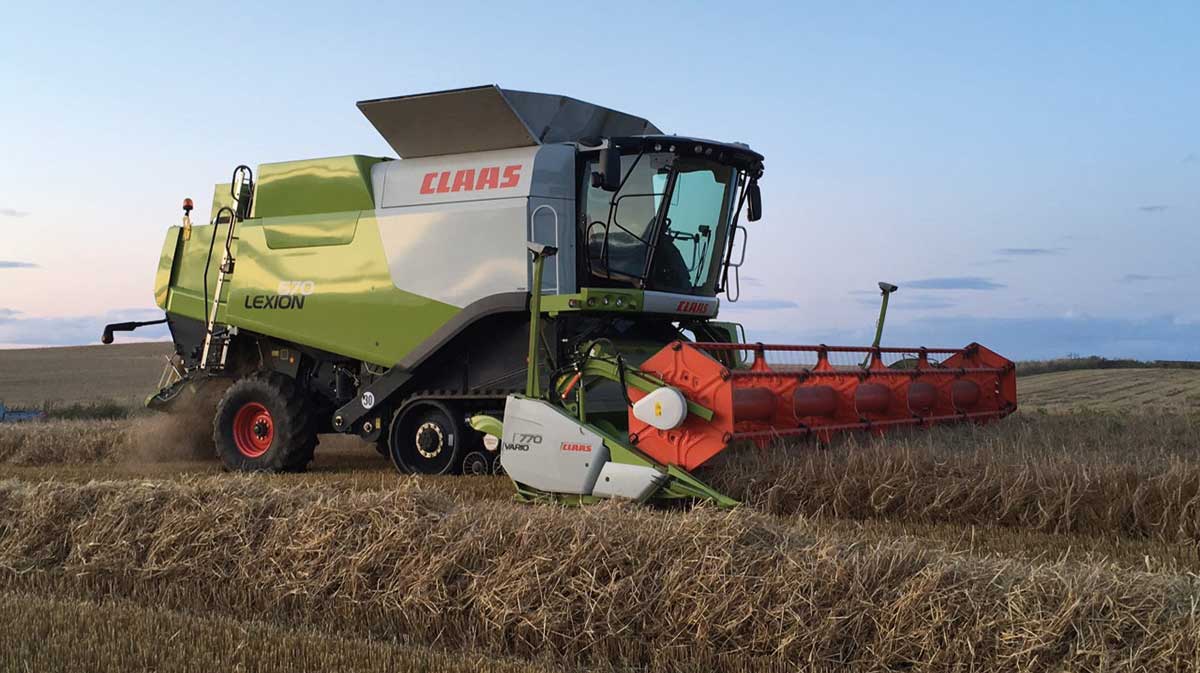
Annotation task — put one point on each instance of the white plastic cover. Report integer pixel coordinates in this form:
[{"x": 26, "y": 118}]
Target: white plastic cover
[
  {"x": 635, "y": 482},
  {"x": 664, "y": 408},
  {"x": 548, "y": 450}
]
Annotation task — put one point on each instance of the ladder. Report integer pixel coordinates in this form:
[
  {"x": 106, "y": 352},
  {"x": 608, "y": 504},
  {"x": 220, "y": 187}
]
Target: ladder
[{"x": 218, "y": 336}]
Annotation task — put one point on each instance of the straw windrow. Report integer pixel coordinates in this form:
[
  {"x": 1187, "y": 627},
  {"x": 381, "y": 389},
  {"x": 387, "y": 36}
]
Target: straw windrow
[
  {"x": 1135, "y": 476},
  {"x": 701, "y": 590}
]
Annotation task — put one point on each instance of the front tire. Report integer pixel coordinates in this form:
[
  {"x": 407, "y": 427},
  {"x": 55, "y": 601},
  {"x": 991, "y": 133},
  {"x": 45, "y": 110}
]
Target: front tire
[{"x": 261, "y": 425}]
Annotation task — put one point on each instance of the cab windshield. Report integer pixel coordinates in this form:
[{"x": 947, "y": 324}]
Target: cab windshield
[{"x": 666, "y": 227}]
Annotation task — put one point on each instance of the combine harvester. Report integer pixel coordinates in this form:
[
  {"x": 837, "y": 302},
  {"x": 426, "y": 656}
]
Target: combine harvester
[{"x": 532, "y": 289}]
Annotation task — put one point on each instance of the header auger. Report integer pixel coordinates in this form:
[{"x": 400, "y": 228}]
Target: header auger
[{"x": 532, "y": 289}]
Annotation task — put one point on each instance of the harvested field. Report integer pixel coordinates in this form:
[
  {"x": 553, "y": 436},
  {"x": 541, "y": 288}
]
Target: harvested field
[
  {"x": 1050, "y": 541},
  {"x": 124, "y": 373},
  {"x": 610, "y": 585},
  {"x": 53, "y": 634},
  {"x": 1136, "y": 475},
  {"x": 1132, "y": 475},
  {"x": 1113, "y": 389}
]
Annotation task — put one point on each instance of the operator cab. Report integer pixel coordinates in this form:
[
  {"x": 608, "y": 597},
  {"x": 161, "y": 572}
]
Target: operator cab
[{"x": 663, "y": 217}]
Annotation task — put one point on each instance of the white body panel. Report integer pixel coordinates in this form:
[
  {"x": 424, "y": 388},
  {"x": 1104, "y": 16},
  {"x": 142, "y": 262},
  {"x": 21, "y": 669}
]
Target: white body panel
[
  {"x": 544, "y": 448},
  {"x": 456, "y": 253},
  {"x": 634, "y": 482},
  {"x": 669, "y": 302},
  {"x": 500, "y": 174},
  {"x": 454, "y": 228}
]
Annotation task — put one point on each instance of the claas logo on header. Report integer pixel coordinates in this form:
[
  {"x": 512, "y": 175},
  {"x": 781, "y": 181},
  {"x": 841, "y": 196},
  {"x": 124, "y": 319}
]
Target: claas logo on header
[{"x": 471, "y": 179}]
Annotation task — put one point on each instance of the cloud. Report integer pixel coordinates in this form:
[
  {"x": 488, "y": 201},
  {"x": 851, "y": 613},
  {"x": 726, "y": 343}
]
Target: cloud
[
  {"x": 953, "y": 283},
  {"x": 1141, "y": 277},
  {"x": 9, "y": 264},
  {"x": 1153, "y": 208},
  {"x": 1191, "y": 158},
  {"x": 750, "y": 281},
  {"x": 12, "y": 212},
  {"x": 1028, "y": 338},
  {"x": 1029, "y": 252},
  {"x": 765, "y": 304},
  {"x": 18, "y": 328}
]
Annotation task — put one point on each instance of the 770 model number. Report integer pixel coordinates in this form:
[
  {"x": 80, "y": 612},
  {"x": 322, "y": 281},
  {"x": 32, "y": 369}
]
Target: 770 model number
[{"x": 522, "y": 441}]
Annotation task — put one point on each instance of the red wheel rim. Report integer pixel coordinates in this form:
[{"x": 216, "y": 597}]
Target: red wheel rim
[{"x": 253, "y": 430}]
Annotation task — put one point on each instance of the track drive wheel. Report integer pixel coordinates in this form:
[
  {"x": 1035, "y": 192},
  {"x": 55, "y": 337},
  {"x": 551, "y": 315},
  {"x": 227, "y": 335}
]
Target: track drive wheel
[
  {"x": 426, "y": 438},
  {"x": 261, "y": 425}
]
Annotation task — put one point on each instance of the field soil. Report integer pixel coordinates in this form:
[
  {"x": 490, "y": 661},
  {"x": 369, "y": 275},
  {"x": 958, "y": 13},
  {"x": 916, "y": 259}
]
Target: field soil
[
  {"x": 1112, "y": 389},
  {"x": 124, "y": 373},
  {"x": 1065, "y": 538}
]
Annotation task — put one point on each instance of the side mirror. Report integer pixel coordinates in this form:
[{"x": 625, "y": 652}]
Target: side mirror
[
  {"x": 754, "y": 198},
  {"x": 608, "y": 177}
]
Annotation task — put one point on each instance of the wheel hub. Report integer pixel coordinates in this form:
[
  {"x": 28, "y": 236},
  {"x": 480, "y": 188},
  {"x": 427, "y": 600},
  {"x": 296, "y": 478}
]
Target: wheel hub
[
  {"x": 430, "y": 439},
  {"x": 253, "y": 430}
]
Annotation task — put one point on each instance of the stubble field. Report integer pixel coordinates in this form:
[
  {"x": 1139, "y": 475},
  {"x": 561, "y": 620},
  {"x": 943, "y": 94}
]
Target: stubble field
[{"x": 1064, "y": 538}]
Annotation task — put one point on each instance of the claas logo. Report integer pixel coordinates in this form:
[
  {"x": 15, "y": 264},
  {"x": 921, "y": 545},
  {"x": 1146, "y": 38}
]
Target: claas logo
[
  {"x": 575, "y": 447},
  {"x": 471, "y": 179},
  {"x": 691, "y": 307}
]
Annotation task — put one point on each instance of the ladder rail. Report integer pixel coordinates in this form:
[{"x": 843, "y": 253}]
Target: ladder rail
[
  {"x": 241, "y": 188},
  {"x": 223, "y": 270}
]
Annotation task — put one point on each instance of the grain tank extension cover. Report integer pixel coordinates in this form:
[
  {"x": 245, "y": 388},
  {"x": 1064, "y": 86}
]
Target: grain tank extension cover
[{"x": 490, "y": 118}]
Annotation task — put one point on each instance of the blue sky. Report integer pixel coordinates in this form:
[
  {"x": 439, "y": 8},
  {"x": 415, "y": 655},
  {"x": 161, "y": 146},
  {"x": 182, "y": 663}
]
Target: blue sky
[{"x": 1028, "y": 173}]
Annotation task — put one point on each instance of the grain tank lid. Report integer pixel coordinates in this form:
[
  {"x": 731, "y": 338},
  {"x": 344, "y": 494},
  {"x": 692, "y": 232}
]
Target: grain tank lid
[{"x": 485, "y": 118}]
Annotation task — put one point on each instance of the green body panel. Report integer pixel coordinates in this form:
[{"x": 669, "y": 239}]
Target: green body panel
[
  {"x": 354, "y": 310},
  {"x": 352, "y": 307},
  {"x": 488, "y": 425},
  {"x": 185, "y": 296},
  {"x": 301, "y": 231},
  {"x": 221, "y": 199},
  {"x": 734, "y": 333},
  {"x": 595, "y": 299},
  {"x": 329, "y": 185},
  {"x": 166, "y": 261}
]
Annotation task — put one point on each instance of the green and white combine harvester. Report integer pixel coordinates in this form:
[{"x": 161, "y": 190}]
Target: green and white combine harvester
[{"x": 531, "y": 290}]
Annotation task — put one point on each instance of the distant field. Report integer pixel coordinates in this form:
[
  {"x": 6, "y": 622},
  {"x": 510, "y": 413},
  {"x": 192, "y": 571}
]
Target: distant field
[
  {"x": 1112, "y": 389},
  {"x": 120, "y": 372}
]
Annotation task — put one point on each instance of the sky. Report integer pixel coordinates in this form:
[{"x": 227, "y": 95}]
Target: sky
[{"x": 1028, "y": 173}]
